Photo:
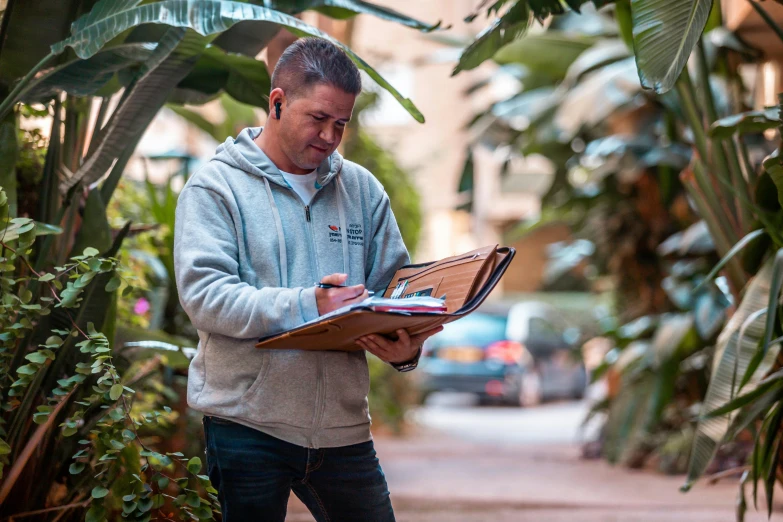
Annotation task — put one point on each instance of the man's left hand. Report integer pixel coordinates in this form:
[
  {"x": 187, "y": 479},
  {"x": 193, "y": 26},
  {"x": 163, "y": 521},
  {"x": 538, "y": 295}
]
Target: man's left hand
[{"x": 402, "y": 350}]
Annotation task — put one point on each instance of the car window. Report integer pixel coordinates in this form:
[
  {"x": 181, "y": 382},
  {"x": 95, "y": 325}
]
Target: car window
[
  {"x": 543, "y": 331},
  {"x": 473, "y": 330}
]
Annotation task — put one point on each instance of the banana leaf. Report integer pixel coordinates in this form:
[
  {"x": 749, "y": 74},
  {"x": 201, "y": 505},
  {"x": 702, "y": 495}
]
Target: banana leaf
[
  {"x": 86, "y": 77},
  {"x": 503, "y": 30},
  {"x": 171, "y": 61},
  {"x": 29, "y": 31},
  {"x": 550, "y": 53},
  {"x": 733, "y": 354},
  {"x": 244, "y": 78},
  {"x": 603, "y": 53},
  {"x": 342, "y": 9},
  {"x": 664, "y": 35},
  {"x": 746, "y": 122},
  {"x": 207, "y": 17}
]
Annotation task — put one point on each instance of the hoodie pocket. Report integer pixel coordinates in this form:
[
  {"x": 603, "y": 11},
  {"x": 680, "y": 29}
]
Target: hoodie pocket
[
  {"x": 284, "y": 391},
  {"x": 348, "y": 382}
]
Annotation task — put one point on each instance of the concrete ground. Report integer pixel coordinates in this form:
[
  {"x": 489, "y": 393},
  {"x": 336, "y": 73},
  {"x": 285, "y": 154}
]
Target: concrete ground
[{"x": 466, "y": 464}]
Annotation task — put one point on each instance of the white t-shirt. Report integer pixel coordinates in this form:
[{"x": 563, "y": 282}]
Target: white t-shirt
[{"x": 303, "y": 184}]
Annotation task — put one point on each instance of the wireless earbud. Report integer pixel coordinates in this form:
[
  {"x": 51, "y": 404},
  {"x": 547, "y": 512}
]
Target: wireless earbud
[{"x": 277, "y": 110}]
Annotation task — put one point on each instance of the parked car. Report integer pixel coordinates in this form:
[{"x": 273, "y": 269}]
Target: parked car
[
  {"x": 474, "y": 355},
  {"x": 521, "y": 356},
  {"x": 554, "y": 346}
]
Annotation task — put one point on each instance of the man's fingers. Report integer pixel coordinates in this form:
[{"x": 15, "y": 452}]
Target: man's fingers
[
  {"x": 354, "y": 298},
  {"x": 371, "y": 345},
  {"x": 335, "y": 279},
  {"x": 403, "y": 336}
]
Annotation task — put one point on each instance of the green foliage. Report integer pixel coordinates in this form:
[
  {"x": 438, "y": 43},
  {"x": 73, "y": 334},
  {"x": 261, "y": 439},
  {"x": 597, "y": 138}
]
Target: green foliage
[
  {"x": 664, "y": 36},
  {"x": 405, "y": 201},
  {"x": 391, "y": 394},
  {"x": 92, "y": 399}
]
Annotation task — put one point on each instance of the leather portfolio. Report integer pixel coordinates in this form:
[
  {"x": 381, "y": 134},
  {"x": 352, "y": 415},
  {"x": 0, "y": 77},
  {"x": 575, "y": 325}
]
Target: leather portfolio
[{"x": 464, "y": 280}]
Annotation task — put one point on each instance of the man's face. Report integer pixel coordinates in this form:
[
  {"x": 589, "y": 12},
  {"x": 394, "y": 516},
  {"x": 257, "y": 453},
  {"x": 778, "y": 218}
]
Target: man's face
[{"x": 312, "y": 125}]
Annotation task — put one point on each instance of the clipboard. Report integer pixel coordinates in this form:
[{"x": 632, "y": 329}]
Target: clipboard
[{"x": 466, "y": 280}]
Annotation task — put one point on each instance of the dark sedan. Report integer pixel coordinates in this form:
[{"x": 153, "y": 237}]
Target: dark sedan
[{"x": 474, "y": 355}]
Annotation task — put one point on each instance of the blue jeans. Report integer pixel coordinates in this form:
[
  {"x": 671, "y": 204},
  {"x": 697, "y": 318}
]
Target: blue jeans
[{"x": 254, "y": 474}]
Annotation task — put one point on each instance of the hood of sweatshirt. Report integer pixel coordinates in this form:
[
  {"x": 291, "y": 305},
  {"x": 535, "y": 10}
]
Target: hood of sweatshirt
[{"x": 243, "y": 153}]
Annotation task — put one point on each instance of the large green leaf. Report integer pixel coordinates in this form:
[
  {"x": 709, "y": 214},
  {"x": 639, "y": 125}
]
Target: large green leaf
[
  {"x": 742, "y": 243},
  {"x": 527, "y": 107},
  {"x": 664, "y": 34},
  {"x": 206, "y": 17},
  {"x": 244, "y": 78},
  {"x": 347, "y": 8},
  {"x": 774, "y": 167},
  {"x": 170, "y": 63},
  {"x": 733, "y": 355},
  {"x": 248, "y": 38},
  {"x": 86, "y": 77},
  {"x": 32, "y": 29},
  {"x": 603, "y": 53},
  {"x": 598, "y": 95},
  {"x": 551, "y": 52},
  {"x": 502, "y": 31},
  {"x": 745, "y": 122}
]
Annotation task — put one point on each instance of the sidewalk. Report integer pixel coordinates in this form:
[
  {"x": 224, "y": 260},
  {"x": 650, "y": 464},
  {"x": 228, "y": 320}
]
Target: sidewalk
[{"x": 436, "y": 478}]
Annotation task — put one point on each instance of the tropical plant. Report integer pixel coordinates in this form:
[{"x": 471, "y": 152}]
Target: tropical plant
[
  {"x": 95, "y": 400},
  {"x": 737, "y": 202},
  {"x": 96, "y": 73}
]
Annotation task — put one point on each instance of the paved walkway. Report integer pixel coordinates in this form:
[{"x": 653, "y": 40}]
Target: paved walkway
[
  {"x": 505, "y": 464},
  {"x": 435, "y": 478}
]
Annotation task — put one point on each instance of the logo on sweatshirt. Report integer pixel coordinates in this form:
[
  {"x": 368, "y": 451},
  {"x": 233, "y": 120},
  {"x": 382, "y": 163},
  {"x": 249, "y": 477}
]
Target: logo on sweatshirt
[{"x": 354, "y": 234}]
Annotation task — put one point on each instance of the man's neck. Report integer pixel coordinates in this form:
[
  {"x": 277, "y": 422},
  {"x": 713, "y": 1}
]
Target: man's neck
[{"x": 269, "y": 143}]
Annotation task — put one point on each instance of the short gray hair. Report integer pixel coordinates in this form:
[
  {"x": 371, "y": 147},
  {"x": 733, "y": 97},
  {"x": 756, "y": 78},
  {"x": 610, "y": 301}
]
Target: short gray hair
[{"x": 312, "y": 61}]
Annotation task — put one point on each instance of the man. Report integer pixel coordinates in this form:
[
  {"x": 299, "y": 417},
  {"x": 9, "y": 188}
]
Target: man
[{"x": 275, "y": 210}]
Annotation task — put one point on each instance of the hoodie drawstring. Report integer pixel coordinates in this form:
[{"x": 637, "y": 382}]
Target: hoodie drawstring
[
  {"x": 343, "y": 225},
  {"x": 280, "y": 236}
]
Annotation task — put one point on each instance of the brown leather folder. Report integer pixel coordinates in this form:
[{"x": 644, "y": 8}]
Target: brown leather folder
[{"x": 466, "y": 280}]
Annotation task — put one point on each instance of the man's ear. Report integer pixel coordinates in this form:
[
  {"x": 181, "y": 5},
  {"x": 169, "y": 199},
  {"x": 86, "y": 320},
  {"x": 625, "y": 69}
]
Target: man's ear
[{"x": 276, "y": 102}]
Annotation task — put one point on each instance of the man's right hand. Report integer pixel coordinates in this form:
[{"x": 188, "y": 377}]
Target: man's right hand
[{"x": 329, "y": 299}]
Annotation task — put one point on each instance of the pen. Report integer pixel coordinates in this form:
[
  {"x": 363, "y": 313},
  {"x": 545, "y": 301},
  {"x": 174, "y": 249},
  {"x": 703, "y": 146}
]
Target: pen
[{"x": 329, "y": 285}]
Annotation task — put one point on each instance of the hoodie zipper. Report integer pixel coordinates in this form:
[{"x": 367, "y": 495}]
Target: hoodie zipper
[
  {"x": 320, "y": 392},
  {"x": 320, "y": 386}
]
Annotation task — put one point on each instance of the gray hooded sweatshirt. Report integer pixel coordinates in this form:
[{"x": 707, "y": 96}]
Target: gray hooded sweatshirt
[{"x": 246, "y": 254}]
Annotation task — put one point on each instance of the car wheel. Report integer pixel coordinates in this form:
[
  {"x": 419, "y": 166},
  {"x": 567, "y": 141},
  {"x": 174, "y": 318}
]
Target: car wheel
[{"x": 530, "y": 390}]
